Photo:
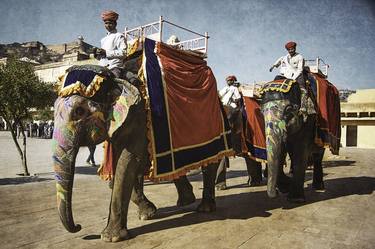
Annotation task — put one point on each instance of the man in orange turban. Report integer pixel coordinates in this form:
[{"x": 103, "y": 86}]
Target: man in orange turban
[
  {"x": 292, "y": 66},
  {"x": 113, "y": 45},
  {"x": 109, "y": 15}
]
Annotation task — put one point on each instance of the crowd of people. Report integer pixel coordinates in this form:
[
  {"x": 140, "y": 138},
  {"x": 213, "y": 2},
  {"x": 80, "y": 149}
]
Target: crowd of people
[{"x": 35, "y": 129}]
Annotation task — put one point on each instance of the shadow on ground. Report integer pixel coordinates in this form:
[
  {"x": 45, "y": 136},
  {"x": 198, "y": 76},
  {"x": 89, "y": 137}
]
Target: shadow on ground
[
  {"x": 251, "y": 204},
  {"x": 22, "y": 180},
  {"x": 338, "y": 163},
  {"x": 86, "y": 170}
]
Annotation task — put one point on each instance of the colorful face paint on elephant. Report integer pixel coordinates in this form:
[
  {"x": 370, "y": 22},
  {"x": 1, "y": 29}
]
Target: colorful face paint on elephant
[
  {"x": 78, "y": 122},
  {"x": 276, "y": 135}
]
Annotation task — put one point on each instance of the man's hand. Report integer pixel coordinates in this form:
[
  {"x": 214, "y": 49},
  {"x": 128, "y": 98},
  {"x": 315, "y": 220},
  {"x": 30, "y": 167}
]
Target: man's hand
[
  {"x": 99, "y": 53},
  {"x": 271, "y": 68}
]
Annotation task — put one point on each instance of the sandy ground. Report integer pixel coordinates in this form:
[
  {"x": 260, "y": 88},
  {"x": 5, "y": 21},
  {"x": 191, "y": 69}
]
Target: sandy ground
[{"x": 341, "y": 217}]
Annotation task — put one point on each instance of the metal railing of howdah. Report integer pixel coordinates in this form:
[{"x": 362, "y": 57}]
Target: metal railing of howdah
[{"x": 155, "y": 30}]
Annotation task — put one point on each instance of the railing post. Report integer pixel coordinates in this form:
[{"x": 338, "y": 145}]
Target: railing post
[
  {"x": 160, "y": 28},
  {"x": 206, "y": 42},
  {"x": 126, "y": 34}
]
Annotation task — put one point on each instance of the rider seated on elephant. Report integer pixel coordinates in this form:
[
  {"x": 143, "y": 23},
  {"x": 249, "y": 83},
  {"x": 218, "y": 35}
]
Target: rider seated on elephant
[
  {"x": 113, "y": 45},
  {"x": 291, "y": 67},
  {"x": 231, "y": 99}
]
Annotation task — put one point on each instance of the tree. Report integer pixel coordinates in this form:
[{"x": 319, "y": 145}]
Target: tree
[{"x": 20, "y": 91}]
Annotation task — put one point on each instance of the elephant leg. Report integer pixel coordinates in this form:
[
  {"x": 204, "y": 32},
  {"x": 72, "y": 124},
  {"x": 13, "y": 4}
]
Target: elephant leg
[
  {"x": 146, "y": 209},
  {"x": 254, "y": 170},
  {"x": 296, "y": 190},
  {"x": 220, "y": 181},
  {"x": 318, "y": 183},
  {"x": 265, "y": 172},
  {"x": 208, "y": 197},
  {"x": 185, "y": 191},
  {"x": 300, "y": 152},
  {"x": 274, "y": 160},
  {"x": 125, "y": 176}
]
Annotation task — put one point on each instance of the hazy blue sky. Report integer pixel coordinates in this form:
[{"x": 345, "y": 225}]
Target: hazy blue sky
[{"x": 246, "y": 36}]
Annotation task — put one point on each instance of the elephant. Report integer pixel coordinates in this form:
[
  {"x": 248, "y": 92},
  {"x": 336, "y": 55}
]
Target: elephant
[
  {"x": 254, "y": 168},
  {"x": 84, "y": 121},
  {"x": 288, "y": 132}
]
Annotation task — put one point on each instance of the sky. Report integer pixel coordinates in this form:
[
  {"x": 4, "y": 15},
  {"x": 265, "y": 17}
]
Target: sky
[{"x": 246, "y": 36}]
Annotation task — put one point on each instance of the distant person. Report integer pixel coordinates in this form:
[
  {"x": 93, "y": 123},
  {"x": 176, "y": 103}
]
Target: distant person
[
  {"x": 230, "y": 97},
  {"x": 174, "y": 42},
  {"x": 291, "y": 67},
  {"x": 113, "y": 45},
  {"x": 91, "y": 158}
]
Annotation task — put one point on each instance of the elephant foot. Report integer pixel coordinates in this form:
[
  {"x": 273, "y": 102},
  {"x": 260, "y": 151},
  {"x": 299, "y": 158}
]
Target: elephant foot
[
  {"x": 186, "y": 200},
  {"x": 318, "y": 186},
  {"x": 147, "y": 211},
  {"x": 114, "y": 235},
  {"x": 296, "y": 198},
  {"x": 272, "y": 193},
  {"x": 253, "y": 183},
  {"x": 221, "y": 186},
  {"x": 207, "y": 206}
]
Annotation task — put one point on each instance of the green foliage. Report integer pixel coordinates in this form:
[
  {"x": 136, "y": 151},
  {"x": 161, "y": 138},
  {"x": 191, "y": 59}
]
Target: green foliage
[{"x": 21, "y": 90}]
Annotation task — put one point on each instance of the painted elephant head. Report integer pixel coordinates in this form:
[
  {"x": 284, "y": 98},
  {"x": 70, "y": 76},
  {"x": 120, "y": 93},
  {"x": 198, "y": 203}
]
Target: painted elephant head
[
  {"x": 280, "y": 110},
  {"x": 80, "y": 120}
]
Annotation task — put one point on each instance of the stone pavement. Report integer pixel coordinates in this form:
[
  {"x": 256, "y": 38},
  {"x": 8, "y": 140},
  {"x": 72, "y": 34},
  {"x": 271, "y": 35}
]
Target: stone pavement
[{"x": 341, "y": 217}]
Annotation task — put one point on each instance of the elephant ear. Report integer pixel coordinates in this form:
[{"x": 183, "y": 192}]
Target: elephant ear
[{"x": 125, "y": 98}]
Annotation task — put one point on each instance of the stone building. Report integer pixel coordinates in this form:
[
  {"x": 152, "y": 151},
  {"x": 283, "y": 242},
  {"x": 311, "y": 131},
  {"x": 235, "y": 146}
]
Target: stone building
[
  {"x": 358, "y": 119},
  {"x": 74, "y": 53},
  {"x": 50, "y": 61}
]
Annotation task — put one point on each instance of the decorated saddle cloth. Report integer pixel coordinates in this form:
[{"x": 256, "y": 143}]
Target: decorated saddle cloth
[
  {"x": 328, "y": 100},
  {"x": 85, "y": 80},
  {"x": 282, "y": 86},
  {"x": 187, "y": 127},
  {"x": 254, "y": 129}
]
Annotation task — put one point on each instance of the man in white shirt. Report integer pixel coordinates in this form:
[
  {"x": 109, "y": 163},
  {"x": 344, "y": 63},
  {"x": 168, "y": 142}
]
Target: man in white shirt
[
  {"x": 291, "y": 67},
  {"x": 230, "y": 95},
  {"x": 113, "y": 45}
]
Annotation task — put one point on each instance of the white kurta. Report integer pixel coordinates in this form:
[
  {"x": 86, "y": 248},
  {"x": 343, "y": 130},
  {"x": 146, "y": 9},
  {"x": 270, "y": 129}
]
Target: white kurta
[
  {"x": 290, "y": 67},
  {"x": 115, "y": 47},
  {"x": 230, "y": 95}
]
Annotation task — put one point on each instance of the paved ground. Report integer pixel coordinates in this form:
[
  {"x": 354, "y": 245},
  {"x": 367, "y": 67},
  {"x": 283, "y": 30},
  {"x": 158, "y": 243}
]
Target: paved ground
[{"x": 341, "y": 217}]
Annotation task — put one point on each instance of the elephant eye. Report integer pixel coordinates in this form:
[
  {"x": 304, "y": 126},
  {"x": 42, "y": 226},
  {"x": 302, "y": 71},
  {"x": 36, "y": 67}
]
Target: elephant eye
[{"x": 79, "y": 112}]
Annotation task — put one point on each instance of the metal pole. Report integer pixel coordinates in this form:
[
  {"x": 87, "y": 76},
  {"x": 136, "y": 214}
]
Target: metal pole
[
  {"x": 206, "y": 42},
  {"x": 160, "y": 28},
  {"x": 184, "y": 28},
  {"x": 126, "y": 33}
]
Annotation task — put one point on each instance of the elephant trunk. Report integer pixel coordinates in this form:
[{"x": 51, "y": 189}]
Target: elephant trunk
[
  {"x": 273, "y": 171},
  {"x": 275, "y": 129},
  {"x": 64, "y": 157}
]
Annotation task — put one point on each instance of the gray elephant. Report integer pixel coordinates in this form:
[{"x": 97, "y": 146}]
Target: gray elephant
[
  {"x": 83, "y": 121},
  {"x": 287, "y": 132}
]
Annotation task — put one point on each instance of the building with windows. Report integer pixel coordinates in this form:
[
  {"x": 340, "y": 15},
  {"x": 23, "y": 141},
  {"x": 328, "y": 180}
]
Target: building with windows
[{"x": 358, "y": 119}]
